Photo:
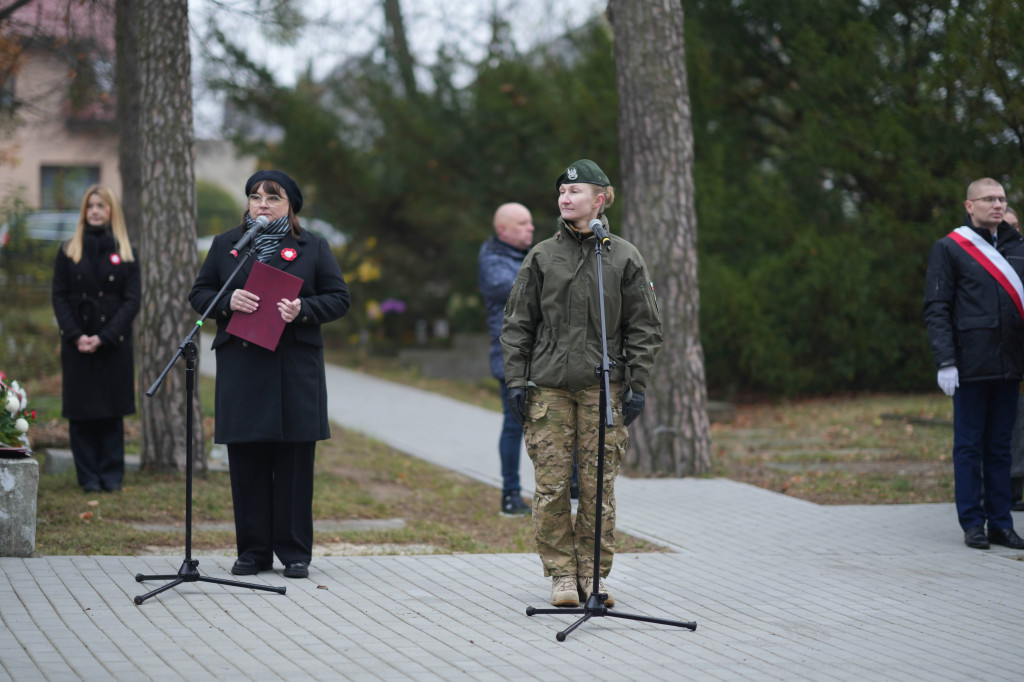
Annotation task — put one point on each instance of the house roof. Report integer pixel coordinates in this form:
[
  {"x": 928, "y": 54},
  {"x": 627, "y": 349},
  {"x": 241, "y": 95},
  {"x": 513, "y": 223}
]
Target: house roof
[{"x": 66, "y": 20}]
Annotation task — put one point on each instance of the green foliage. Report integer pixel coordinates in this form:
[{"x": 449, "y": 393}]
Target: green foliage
[
  {"x": 833, "y": 144},
  {"x": 415, "y": 184},
  {"x": 29, "y": 342},
  {"x": 28, "y": 337},
  {"x": 27, "y": 263},
  {"x": 282, "y": 19},
  {"x": 216, "y": 209}
]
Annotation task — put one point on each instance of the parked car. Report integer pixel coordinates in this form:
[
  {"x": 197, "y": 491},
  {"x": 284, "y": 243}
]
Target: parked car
[
  {"x": 335, "y": 238},
  {"x": 326, "y": 230},
  {"x": 45, "y": 226}
]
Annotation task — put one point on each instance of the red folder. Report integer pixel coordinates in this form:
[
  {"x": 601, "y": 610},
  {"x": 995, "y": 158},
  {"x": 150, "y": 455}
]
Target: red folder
[{"x": 265, "y": 326}]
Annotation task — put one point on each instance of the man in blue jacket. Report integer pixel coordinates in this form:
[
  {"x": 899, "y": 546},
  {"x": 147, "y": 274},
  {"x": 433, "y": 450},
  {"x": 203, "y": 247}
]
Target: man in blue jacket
[
  {"x": 974, "y": 309},
  {"x": 499, "y": 261}
]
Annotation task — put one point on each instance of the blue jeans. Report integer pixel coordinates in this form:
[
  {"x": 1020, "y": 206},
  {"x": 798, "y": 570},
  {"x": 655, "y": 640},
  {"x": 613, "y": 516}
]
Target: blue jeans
[
  {"x": 983, "y": 416},
  {"x": 509, "y": 445}
]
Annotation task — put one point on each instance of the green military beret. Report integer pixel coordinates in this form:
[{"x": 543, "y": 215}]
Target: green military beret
[{"x": 583, "y": 170}]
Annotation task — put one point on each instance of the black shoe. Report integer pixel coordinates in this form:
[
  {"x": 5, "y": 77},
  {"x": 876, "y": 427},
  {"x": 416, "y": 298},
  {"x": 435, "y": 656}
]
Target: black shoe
[
  {"x": 90, "y": 489},
  {"x": 1017, "y": 506},
  {"x": 248, "y": 566},
  {"x": 296, "y": 569},
  {"x": 1006, "y": 537},
  {"x": 975, "y": 537},
  {"x": 513, "y": 505}
]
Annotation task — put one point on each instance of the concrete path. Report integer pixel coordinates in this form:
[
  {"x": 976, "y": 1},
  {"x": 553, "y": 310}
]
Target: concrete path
[{"x": 781, "y": 589}]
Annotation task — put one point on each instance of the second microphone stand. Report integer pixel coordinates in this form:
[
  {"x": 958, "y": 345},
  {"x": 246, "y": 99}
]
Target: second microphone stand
[{"x": 595, "y": 606}]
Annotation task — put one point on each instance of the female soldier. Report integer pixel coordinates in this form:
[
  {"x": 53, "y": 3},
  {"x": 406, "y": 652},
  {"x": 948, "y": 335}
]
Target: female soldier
[
  {"x": 271, "y": 406},
  {"x": 551, "y": 343},
  {"x": 96, "y": 293}
]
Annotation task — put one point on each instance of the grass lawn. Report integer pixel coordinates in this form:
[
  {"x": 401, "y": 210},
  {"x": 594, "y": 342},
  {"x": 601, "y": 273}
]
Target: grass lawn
[
  {"x": 430, "y": 508},
  {"x": 877, "y": 449}
]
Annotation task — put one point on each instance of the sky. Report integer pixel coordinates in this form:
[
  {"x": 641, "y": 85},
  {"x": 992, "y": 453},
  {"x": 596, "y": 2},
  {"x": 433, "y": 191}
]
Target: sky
[{"x": 341, "y": 28}]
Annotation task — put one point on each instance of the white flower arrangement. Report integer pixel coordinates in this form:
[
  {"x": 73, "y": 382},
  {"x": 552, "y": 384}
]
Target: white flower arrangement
[{"x": 15, "y": 418}]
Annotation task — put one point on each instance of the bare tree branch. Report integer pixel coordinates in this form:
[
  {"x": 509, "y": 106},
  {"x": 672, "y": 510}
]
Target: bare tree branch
[{"x": 8, "y": 10}]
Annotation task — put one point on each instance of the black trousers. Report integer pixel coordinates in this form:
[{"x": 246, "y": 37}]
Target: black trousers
[
  {"x": 97, "y": 446},
  {"x": 272, "y": 495}
]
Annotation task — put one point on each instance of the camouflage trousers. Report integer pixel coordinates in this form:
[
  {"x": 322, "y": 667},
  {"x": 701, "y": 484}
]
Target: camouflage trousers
[{"x": 560, "y": 424}]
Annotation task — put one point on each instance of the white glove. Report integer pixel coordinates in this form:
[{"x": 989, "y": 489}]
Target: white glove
[{"x": 949, "y": 379}]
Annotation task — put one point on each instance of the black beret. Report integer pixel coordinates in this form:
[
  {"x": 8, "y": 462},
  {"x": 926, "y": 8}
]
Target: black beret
[
  {"x": 289, "y": 186},
  {"x": 583, "y": 170}
]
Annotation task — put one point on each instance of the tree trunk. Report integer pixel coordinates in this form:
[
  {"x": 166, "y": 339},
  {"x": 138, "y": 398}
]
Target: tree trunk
[
  {"x": 129, "y": 117},
  {"x": 399, "y": 47},
  {"x": 158, "y": 155},
  {"x": 673, "y": 436}
]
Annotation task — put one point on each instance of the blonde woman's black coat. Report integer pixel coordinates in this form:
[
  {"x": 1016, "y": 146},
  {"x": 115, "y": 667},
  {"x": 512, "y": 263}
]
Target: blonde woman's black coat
[
  {"x": 99, "y": 295},
  {"x": 278, "y": 395}
]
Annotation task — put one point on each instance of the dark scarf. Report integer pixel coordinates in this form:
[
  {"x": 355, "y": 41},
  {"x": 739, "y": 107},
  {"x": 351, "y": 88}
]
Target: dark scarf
[{"x": 267, "y": 242}]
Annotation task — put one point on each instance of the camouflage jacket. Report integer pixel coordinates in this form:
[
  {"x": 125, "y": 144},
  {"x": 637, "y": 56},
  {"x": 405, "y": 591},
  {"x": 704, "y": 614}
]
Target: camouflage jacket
[{"x": 551, "y": 334}]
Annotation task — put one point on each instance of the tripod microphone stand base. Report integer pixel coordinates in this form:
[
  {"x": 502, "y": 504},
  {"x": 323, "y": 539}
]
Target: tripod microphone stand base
[
  {"x": 189, "y": 573},
  {"x": 595, "y": 608}
]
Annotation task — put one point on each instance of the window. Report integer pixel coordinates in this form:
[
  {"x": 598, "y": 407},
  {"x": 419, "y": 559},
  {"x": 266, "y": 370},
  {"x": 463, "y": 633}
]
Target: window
[
  {"x": 7, "y": 99},
  {"x": 62, "y": 187}
]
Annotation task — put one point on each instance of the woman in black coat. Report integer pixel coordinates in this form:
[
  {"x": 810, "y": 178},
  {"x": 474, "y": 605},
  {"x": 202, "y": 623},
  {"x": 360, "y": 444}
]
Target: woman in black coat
[
  {"x": 96, "y": 293},
  {"x": 271, "y": 406}
]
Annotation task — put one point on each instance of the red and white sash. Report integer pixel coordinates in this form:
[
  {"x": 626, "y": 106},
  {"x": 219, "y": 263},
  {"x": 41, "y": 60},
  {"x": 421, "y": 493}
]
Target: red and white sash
[{"x": 993, "y": 262}]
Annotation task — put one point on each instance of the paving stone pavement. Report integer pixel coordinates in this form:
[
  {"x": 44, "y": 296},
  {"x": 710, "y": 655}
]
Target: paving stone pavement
[{"x": 780, "y": 589}]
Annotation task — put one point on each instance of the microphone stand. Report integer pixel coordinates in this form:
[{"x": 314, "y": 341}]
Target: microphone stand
[
  {"x": 189, "y": 571},
  {"x": 595, "y": 605}
]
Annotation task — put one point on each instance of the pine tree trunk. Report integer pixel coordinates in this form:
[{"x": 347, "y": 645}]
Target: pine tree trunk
[
  {"x": 399, "y": 46},
  {"x": 128, "y": 114},
  {"x": 673, "y": 436},
  {"x": 160, "y": 151}
]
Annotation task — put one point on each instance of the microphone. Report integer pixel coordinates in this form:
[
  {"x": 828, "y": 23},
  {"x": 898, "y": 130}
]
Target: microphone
[
  {"x": 597, "y": 227},
  {"x": 261, "y": 224}
]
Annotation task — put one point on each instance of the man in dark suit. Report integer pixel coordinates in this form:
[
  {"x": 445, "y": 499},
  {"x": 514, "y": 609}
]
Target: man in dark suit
[
  {"x": 974, "y": 309},
  {"x": 498, "y": 264}
]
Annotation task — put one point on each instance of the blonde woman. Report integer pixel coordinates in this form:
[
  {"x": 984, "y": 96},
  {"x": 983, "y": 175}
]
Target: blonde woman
[{"x": 96, "y": 292}]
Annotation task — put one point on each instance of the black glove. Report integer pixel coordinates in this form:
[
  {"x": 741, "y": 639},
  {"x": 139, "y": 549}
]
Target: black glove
[
  {"x": 517, "y": 403},
  {"x": 632, "y": 407}
]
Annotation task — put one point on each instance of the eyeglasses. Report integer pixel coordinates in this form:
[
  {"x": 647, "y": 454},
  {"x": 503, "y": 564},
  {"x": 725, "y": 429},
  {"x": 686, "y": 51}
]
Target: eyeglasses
[
  {"x": 271, "y": 199},
  {"x": 990, "y": 200}
]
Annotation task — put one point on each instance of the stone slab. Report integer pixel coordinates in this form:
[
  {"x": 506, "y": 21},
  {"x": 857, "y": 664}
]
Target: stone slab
[{"x": 19, "y": 488}]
